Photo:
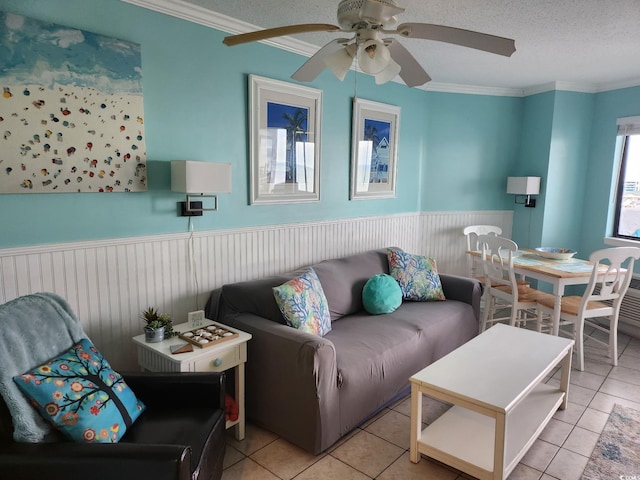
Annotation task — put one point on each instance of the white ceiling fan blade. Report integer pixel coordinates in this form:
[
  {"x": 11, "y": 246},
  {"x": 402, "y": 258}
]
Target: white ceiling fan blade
[
  {"x": 316, "y": 64},
  {"x": 375, "y": 11},
  {"x": 278, "y": 32},
  {"x": 458, "y": 36},
  {"x": 411, "y": 71}
]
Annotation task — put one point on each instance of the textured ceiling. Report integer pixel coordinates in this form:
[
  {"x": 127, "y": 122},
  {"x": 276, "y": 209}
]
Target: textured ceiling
[{"x": 590, "y": 43}]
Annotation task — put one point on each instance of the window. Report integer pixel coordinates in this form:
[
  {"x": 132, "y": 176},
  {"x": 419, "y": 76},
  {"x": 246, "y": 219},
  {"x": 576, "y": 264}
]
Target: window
[{"x": 627, "y": 218}]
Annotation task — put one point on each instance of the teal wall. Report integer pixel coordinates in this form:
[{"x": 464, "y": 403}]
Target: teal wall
[
  {"x": 195, "y": 101},
  {"x": 470, "y": 143},
  {"x": 455, "y": 150},
  {"x": 598, "y": 186}
]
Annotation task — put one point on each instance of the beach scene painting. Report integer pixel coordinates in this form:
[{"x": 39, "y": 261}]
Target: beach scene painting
[
  {"x": 374, "y": 149},
  {"x": 71, "y": 110}
]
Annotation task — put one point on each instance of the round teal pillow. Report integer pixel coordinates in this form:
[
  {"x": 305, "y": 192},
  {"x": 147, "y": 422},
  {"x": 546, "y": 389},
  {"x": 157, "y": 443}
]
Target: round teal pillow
[{"x": 381, "y": 294}]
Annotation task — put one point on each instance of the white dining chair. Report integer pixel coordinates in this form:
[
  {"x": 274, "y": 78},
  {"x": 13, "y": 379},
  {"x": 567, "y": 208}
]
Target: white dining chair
[
  {"x": 599, "y": 306},
  {"x": 502, "y": 291},
  {"x": 471, "y": 233}
]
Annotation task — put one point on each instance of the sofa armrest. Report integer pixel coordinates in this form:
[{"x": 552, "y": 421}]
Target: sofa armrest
[
  {"x": 463, "y": 289},
  {"x": 53, "y": 461},
  {"x": 291, "y": 381},
  {"x": 190, "y": 389}
]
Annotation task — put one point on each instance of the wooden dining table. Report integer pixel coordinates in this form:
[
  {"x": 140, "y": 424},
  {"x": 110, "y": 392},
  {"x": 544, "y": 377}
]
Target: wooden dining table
[{"x": 558, "y": 273}]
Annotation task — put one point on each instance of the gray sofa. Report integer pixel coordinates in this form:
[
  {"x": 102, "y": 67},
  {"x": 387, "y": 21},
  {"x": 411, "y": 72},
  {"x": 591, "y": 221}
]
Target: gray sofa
[{"x": 312, "y": 390}]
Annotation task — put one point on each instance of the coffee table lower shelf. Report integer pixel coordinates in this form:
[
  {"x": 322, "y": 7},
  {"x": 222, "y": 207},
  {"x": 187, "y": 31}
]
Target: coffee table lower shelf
[{"x": 466, "y": 439}]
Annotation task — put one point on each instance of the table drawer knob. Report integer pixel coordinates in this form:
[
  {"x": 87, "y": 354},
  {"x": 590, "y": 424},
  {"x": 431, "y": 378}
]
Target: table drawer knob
[{"x": 217, "y": 362}]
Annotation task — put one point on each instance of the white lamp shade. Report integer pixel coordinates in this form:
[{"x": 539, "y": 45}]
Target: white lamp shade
[
  {"x": 523, "y": 185},
  {"x": 374, "y": 57},
  {"x": 389, "y": 73},
  {"x": 188, "y": 176},
  {"x": 340, "y": 61}
]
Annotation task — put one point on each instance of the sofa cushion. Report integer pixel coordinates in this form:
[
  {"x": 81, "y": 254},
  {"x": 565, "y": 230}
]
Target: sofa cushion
[
  {"x": 417, "y": 275},
  {"x": 381, "y": 294},
  {"x": 344, "y": 278},
  {"x": 303, "y": 304},
  {"x": 79, "y": 393},
  {"x": 375, "y": 366}
]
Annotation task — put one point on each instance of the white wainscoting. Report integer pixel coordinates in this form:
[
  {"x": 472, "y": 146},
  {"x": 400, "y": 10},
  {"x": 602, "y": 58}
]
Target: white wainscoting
[{"x": 109, "y": 282}]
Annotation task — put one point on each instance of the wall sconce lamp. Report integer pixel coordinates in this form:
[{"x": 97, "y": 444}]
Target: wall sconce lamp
[
  {"x": 199, "y": 180},
  {"x": 524, "y": 186}
]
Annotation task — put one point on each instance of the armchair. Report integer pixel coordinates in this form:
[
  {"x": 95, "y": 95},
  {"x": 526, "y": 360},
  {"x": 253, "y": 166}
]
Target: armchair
[{"x": 180, "y": 435}]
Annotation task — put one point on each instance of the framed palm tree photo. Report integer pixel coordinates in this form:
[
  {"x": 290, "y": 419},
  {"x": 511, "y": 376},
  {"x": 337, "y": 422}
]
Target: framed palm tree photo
[
  {"x": 374, "y": 147},
  {"x": 284, "y": 131}
]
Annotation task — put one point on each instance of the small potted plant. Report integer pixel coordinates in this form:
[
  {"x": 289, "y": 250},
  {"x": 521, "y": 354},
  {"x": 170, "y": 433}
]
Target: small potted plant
[{"x": 158, "y": 326}]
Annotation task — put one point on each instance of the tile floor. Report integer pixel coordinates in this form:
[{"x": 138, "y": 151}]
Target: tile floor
[{"x": 379, "y": 449}]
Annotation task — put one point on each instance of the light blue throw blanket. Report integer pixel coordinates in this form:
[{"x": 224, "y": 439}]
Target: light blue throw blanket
[{"x": 33, "y": 329}]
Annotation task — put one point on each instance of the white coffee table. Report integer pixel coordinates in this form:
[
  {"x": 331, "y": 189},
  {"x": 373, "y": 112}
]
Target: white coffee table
[{"x": 500, "y": 403}]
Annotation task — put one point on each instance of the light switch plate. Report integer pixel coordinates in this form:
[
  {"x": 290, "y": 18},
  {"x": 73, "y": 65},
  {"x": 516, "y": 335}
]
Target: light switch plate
[{"x": 196, "y": 319}]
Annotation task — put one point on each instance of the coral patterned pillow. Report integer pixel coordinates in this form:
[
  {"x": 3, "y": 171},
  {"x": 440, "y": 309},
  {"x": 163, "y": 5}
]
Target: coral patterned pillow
[
  {"x": 417, "y": 275},
  {"x": 81, "y": 395},
  {"x": 303, "y": 304}
]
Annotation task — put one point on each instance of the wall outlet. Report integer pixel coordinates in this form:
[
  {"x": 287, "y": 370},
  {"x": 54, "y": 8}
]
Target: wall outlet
[{"x": 196, "y": 319}]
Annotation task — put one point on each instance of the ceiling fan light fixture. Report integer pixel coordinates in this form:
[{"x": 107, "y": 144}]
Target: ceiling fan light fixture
[
  {"x": 389, "y": 73},
  {"x": 340, "y": 61},
  {"x": 373, "y": 57}
]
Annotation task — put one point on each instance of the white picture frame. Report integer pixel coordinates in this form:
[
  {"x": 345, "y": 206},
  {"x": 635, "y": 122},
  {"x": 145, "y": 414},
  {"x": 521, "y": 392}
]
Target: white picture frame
[
  {"x": 374, "y": 149},
  {"x": 285, "y": 132}
]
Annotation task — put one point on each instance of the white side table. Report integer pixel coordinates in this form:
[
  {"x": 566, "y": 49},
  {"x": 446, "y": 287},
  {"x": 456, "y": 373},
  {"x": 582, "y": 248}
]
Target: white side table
[{"x": 157, "y": 357}]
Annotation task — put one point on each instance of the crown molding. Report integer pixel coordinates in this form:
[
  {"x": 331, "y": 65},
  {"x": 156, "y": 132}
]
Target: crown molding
[{"x": 209, "y": 18}]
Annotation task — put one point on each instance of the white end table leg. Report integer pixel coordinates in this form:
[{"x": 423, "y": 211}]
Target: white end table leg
[
  {"x": 239, "y": 391},
  {"x": 416, "y": 422}
]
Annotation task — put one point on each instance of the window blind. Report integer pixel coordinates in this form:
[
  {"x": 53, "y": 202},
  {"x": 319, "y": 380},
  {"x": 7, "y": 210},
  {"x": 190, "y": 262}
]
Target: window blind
[{"x": 629, "y": 126}]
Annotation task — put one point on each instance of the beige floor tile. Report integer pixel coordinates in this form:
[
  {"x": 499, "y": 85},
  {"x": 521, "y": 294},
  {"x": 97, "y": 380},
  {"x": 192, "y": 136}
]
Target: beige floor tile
[
  {"x": 605, "y": 402},
  {"x": 629, "y": 361},
  {"x": 567, "y": 465},
  {"x": 368, "y": 453},
  {"x": 255, "y": 438},
  {"x": 231, "y": 456},
  {"x": 431, "y": 408},
  {"x": 621, "y": 389},
  {"x": 581, "y": 441},
  {"x": 584, "y": 379},
  {"x": 577, "y": 394},
  {"x": 247, "y": 469},
  {"x": 404, "y": 469},
  {"x": 329, "y": 468},
  {"x": 377, "y": 416},
  {"x": 540, "y": 455},
  {"x": 593, "y": 420},
  {"x": 556, "y": 432},
  {"x": 524, "y": 472},
  {"x": 633, "y": 348},
  {"x": 393, "y": 427},
  {"x": 284, "y": 459},
  {"x": 342, "y": 440},
  {"x": 571, "y": 414},
  {"x": 624, "y": 374}
]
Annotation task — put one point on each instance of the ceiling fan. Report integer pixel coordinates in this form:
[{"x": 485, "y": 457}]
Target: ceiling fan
[{"x": 382, "y": 57}]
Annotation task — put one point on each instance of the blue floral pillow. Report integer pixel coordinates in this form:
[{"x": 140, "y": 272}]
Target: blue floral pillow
[
  {"x": 81, "y": 395},
  {"x": 303, "y": 304},
  {"x": 417, "y": 275}
]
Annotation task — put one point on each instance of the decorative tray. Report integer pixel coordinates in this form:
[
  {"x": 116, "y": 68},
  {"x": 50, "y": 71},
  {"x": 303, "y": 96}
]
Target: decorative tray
[{"x": 208, "y": 336}]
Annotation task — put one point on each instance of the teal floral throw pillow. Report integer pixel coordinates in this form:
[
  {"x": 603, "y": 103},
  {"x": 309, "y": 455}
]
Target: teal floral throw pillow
[
  {"x": 303, "y": 304},
  {"x": 417, "y": 276},
  {"x": 81, "y": 395}
]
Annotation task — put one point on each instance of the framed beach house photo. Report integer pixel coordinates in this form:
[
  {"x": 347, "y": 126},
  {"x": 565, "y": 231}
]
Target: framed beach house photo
[
  {"x": 284, "y": 132},
  {"x": 374, "y": 147}
]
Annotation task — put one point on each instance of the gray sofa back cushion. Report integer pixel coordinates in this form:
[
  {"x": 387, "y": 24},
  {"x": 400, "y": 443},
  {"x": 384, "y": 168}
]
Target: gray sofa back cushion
[
  {"x": 343, "y": 279},
  {"x": 254, "y": 296}
]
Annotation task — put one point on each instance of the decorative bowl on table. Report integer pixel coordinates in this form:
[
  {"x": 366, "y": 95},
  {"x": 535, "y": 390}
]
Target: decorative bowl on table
[{"x": 555, "y": 253}]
